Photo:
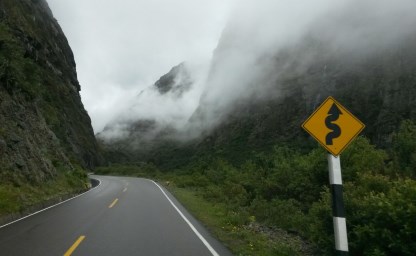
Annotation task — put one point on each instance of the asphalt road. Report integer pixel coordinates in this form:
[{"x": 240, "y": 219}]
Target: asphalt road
[{"x": 122, "y": 216}]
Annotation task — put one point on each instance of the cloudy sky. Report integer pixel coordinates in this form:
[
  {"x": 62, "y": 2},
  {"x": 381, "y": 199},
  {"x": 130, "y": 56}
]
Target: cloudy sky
[{"x": 122, "y": 47}]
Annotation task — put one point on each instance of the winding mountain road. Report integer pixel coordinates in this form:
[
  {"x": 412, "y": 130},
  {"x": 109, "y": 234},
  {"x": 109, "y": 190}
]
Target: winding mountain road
[{"x": 121, "y": 216}]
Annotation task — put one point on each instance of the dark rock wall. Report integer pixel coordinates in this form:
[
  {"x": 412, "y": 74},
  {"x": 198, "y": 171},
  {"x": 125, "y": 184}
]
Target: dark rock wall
[{"x": 44, "y": 127}]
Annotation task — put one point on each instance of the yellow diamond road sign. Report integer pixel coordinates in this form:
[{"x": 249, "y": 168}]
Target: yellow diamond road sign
[{"x": 333, "y": 126}]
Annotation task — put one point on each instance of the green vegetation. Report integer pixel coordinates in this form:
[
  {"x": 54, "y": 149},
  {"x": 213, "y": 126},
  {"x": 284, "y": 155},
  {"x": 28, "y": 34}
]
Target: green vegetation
[
  {"x": 249, "y": 206},
  {"x": 19, "y": 197},
  {"x": 229, "y": 227},
  {"x": 46, "y": 138}
]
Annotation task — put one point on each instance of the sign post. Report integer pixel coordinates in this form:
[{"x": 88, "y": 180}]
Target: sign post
[
  {"x": 338, "y": 210},
  {"x": 334, "y": 127}
]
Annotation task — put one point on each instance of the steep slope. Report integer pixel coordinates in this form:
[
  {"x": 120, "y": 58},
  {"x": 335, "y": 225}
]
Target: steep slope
[
  {"x": 268, "y": 73},
  {"x": 367, "y": 63},
  {"x": 45, "y": 132},
  {"x": 380, "y": 88}
]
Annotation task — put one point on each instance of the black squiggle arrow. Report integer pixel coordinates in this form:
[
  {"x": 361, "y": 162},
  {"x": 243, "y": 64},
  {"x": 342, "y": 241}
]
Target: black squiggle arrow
[{"x": 333, "y": 115}]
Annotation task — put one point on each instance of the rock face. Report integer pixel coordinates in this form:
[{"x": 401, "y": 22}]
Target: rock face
[
  {"x": 44, "y": 128},
  {"x": 177, "y": 81}
]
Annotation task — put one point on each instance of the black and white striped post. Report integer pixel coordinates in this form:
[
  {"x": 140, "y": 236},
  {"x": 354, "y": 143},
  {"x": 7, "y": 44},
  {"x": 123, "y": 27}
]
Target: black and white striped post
[
  {"x": 338, "y": 211},
  {"x": 334, "y": 127}
]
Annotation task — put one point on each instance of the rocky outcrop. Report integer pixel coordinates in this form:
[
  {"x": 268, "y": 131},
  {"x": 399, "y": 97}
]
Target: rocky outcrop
[
  {"x": 177, "y": 81},
  {"x": 44, "y": 129}
]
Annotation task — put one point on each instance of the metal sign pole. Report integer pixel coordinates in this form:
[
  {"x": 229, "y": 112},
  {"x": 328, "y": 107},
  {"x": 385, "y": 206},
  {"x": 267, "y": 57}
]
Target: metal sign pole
[{"x": 338, "y": 211}]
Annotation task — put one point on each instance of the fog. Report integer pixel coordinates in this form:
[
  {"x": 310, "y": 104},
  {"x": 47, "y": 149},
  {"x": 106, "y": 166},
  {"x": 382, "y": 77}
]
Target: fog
[
  {"x": 170, "y": 110},
  {"x": 245, "y": 66},
  {"x": 122, "y": 47}
]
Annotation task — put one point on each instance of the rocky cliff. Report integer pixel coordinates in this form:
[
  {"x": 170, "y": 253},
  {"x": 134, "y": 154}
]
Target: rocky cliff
[{"x": 45, "y": 132}]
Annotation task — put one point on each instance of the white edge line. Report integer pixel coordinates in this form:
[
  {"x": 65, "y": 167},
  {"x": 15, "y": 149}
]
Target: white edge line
[
  {"x": 205, "y": 242},
  {"x": 47, "y": 208}
]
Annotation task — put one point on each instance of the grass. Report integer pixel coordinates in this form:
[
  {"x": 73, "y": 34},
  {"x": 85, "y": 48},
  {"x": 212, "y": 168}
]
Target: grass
[
  {"x": 20, "y": 198},
  {"x": 241, "y": 240}
]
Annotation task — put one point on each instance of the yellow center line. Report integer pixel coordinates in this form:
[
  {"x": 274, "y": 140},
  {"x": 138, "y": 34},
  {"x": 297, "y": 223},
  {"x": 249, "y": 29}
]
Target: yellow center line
[
  {"x": 125, "y": 189},
  {"x": 113, "y": 203},
  {"x": 74, "y": 246}
]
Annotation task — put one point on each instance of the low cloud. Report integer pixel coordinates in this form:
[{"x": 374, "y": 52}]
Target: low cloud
[
  {"x": 268, "y": 40},
  {"x": 122, "y": 47},
  {"x": 261, "y": 43}
]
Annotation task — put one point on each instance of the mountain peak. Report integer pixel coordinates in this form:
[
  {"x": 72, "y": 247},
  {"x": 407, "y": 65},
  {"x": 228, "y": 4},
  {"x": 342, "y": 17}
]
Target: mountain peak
[{"x": 178, "y": 80}]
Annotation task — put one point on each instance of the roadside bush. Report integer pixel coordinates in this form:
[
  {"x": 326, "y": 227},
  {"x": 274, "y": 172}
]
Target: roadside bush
[
  {"x": 295, "y": 176},
  {"x": 235, "y": 194},
  {"x": 194, "y": 180},
  {"x": 285, "y": 214},
  {"x": 404, "y": 149},
  {"x": 77, "y": 178},
  {"x": 213, "y": 193},
  {"x": 362, "y": 157},
  {"x": 320, "y": 229},
  {"x": 383, "y": 220},
  {"x": 380, "y": 217}
]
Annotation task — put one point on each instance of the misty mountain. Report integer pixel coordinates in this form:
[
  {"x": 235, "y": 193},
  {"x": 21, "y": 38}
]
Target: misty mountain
[
  {"x": 379, "y": 89},
  {"x": 135, "y": 135},
  {"x": 176, "y": 81},
  {"x": 45, "y": 132},
  {"x": 260, "y": 89}
]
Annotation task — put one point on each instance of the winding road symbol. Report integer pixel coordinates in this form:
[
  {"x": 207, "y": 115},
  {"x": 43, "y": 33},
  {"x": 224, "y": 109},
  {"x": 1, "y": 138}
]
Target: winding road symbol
[
  {"x": 333, "y": 115},
  {"x": 333, "y": 126}
]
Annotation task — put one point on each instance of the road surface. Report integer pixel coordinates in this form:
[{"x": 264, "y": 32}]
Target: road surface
[{"x": 122, "y": 216}]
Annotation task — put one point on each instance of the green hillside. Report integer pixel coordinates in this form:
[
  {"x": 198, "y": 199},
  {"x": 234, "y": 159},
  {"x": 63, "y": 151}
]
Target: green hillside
[
  {"x": 265, "y": 176},
  {"x": 46, "y": 138}
]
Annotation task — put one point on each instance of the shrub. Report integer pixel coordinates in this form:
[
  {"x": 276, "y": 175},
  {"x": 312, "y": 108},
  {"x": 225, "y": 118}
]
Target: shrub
[
  {"x": 320, "y": 228},
  {"x": 404, "y": 148},
  {"x": 382, "y": 220},
  {"x": 380, "y": 217},
  {"x": 362, "y": 157}
]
